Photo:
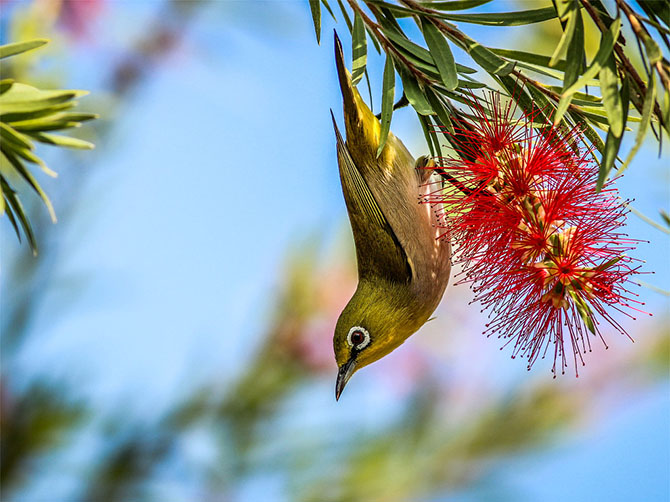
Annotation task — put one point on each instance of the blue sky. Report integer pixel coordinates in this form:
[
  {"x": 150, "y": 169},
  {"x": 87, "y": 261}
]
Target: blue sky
[{"x": 223, "y": 161}]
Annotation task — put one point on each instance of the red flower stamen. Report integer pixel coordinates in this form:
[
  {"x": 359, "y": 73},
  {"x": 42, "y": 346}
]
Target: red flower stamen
[{"x": 540, "y": 248}]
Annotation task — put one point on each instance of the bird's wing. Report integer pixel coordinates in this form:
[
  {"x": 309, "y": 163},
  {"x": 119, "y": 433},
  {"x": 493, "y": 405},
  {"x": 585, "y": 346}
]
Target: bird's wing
[{"x": 378, "y": 250}]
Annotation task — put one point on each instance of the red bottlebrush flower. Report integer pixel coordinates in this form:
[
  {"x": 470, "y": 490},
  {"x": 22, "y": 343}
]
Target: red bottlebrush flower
[{"x": 541, "y": 249}]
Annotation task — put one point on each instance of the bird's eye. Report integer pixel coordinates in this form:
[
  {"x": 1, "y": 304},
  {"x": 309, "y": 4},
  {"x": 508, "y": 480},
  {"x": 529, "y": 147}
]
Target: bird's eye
[{"x": 358, "y": 337}]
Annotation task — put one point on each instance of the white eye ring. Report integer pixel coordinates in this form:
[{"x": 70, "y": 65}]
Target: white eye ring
[{"x": 364, "y": 343}]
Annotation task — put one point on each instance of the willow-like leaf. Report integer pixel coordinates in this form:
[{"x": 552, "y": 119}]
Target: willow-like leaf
[
  {"x": 613, "y": 142},
  {"x": 440, "y": 110},
  {"x": 22, "y": 99},
  {"x": 504, "y": 18},
  {"x": 388, "y": 93},
  {"x": 574, "y": 62},
  {"x": 359, "y": 50},
  {"x": 345, "y": 15},
  {"x": 315, "y": 7},
  {"x": 485, "y": 58},
  {"x": 568, "y": 11},
  {"x": 414, "y": 93},
  {"x": 30, "y": 179},
  {"x": 529, "y": 57},
  {"x": 439, "y": 49},
  {"x": 66, "y": 141},
  {"x": 20, "y": 47},
  {"x": 647, "y": 111},
  {"x": 330, "y": 11},
  {"x": 456, "y": 4},
  {"x": 425, "y": 125},
  {"x": 411, "y": 47},
  {"x": 604, "y": 52},
  {"x": 610, "y": 91},
  {"x": 15, "y": 211},
  {"x": 10, "y": 135}
]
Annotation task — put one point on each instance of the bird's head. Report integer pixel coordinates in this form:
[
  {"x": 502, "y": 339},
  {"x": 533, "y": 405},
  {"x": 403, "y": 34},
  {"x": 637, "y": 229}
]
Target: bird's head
[{"x": 376, "y": 321}]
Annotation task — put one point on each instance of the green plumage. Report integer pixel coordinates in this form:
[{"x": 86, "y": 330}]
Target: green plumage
[{"x": 403, "y": 267}]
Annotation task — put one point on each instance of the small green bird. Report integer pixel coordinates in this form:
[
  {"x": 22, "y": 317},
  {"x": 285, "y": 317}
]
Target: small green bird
[{"x": 403, "y": 268}]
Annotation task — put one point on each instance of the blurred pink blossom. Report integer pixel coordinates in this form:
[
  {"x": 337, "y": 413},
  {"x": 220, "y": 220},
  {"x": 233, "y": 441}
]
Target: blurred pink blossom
[{"x": 77, "y": 16}]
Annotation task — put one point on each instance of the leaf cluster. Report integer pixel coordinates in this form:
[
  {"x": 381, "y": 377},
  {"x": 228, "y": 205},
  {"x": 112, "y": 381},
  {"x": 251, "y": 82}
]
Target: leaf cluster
[
  {"x": 549, "y": 87},
  {"x": 28, "y": 116}
]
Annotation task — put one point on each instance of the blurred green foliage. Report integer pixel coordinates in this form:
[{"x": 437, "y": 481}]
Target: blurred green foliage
[{"x": 29, "y": 115}]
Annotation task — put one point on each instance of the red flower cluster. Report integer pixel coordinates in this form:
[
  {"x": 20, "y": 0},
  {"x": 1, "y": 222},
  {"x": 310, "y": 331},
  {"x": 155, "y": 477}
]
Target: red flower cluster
[{"x": 541, "y": 249}]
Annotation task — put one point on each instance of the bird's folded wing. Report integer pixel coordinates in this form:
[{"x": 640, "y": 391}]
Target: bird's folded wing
[{"x": 378, "y": 250}]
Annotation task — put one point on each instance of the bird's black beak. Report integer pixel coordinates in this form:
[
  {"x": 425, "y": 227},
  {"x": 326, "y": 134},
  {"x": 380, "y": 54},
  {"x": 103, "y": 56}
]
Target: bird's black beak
[{"x": 343, "y": 376}]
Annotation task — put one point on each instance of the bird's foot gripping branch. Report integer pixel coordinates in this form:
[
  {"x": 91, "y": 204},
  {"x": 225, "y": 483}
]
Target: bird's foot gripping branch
[{"x": 542, "y": 249}]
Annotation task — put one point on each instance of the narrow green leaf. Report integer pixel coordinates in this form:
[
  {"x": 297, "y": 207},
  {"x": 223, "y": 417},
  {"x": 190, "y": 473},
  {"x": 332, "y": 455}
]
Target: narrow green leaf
[
  {"x": 574, "y": 63},
  {"x": 470, "y": 84},
  {"x": 53, "y": 122},
  {"x": 504, "y": 18},
  {"x": 367, "y": 82},
  {"x": 610, "y": 91},
  {"x": 14, "y": 204},
  {"x": 600, "y": 114},
  {"x": 374, "y": 40},
  {"x": 465, "y": 69},
  {"x": 408, "y": 45},
  {"x": 414, "y": 93},
  {"x": 30, "y": 179},
  {"x": 10, "y": 215},
  {"x": 19, "y": 47},
  {"x": 604, "y": 52},
  {"x": 330, "y": 11},
  {"x": 388, "y": 94},
  {"x": 21, "y": 98},
  {"x": 359, "y": 50},
  {"x": 425, "y": 125},
  {"x": 613, "y": 142},
  {"x": 345, "y": 15},
  {"x": 66, "y": 141},
  {"x": 529, "y": 57},
  {"x": 31, "y": 157},
  {"x": 570, "y": 15},
  {"x": 538, "y": 69},
  {"x": 440, "y": 109},
  {"x": 14, "y": 137},
  {"x": 315, "y": 7},
  {"x": 644, "y": 124},
  {"x": 43, "y": 112},
  {"x": 455, "y": 4},
  {"x": 439, "y": 49},
  {"x": 487, "y": 59},
  {"x": 652, "y": 49}
]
